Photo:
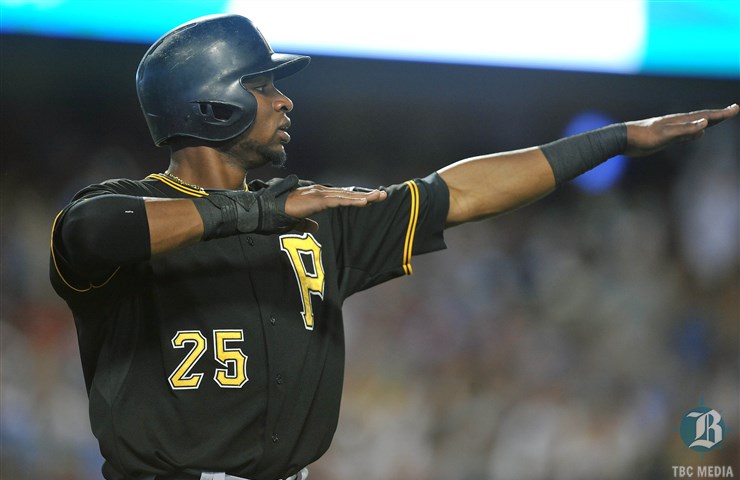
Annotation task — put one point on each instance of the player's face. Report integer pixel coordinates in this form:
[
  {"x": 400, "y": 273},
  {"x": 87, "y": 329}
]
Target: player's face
[{"x": 268, "y": 133}]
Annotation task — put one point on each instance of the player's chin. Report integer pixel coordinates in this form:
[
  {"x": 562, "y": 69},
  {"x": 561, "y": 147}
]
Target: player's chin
[
  {"x": 274, "y": 155},
  {"x": 280, "y": 161}
]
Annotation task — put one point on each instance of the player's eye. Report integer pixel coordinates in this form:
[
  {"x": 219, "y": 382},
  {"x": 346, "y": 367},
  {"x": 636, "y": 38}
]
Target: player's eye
[{"x": 258, "y": 85}]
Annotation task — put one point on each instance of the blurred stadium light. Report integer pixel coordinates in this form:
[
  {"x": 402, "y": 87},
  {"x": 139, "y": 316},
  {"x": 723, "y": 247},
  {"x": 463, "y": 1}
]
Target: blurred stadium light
[{"x": 690, "y": 37}]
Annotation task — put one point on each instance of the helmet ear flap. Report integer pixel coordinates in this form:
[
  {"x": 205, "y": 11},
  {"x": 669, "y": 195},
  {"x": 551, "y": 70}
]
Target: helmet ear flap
[{"x": 217, "y": 113}]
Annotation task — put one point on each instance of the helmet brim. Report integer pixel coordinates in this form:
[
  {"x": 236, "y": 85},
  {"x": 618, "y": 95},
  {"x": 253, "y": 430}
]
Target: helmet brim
[{"x": 281, "y": 65}]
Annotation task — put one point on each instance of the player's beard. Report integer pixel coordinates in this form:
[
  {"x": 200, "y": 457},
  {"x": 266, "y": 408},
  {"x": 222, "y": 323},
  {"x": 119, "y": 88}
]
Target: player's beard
[
  {"x": 276, "y": 158},
  {"x": 248, "y": 154}
]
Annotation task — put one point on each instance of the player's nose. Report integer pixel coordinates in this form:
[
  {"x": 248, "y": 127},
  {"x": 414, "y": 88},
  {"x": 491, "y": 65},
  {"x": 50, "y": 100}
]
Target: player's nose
[{"x": 282, "y": 103}]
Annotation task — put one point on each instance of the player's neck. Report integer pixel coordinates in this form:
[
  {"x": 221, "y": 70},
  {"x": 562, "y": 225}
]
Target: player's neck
[{"x": 206, "y": 168}]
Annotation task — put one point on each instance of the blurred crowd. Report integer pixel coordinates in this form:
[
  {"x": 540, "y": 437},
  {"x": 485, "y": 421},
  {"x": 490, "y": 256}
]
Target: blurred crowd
[{"x": 564, "y": 341}]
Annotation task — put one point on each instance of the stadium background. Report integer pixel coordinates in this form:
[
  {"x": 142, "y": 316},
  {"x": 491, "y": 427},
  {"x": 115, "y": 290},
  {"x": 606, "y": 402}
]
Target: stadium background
[{"x": 562, "y": 341}]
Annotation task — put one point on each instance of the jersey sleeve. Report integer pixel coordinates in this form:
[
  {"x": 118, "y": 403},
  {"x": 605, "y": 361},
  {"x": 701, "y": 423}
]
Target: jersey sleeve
[
  {"x": 377, "y": 242},
  {"x": 87, "y": 273}
]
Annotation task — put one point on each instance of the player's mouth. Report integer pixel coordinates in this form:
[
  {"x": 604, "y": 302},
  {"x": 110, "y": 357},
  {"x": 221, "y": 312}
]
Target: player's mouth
[{"x": 282, "y": 132}]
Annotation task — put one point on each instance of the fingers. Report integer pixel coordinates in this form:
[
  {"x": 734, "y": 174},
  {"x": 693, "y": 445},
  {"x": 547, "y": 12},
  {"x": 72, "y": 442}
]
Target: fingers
[
  {"x": 651, "y": 135},
  {"x": 685, "y": 129},
  {"x": 354, "y": 199},
  {"x": 716, "y": 116},
  {"x": 342, "y": 197},
  {"x": 690, "y": 126},
  {"x": 712, "y": 116},
  {"x": 306, "y": 201}
]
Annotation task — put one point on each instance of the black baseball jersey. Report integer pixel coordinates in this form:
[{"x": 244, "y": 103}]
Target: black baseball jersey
[{"x": 228, "y": 355}]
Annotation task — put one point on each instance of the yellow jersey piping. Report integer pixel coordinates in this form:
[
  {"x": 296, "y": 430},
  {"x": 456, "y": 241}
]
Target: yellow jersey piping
[{"x": 411, "y": 230}]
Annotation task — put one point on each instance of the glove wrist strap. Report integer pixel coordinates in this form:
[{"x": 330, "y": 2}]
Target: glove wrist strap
[{"x": 233, "y": 212}]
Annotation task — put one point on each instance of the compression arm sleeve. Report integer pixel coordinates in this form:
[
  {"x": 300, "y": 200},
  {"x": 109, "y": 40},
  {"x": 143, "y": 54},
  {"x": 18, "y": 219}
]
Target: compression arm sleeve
[
  {"x": 572, "y": 156},
  {"x": 104, "y": 232}
]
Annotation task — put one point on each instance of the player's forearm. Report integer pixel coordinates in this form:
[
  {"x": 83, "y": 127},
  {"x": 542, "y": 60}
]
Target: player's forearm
[
  {"x": 482, "y": 187},
  {"x": 490, "y": 185},
  {"x": 173, "y": 224}
]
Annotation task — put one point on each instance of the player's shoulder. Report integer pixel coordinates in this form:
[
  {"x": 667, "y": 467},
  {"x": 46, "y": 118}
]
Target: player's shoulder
[
  {"x": 127, "y": 185},
  {"x": 122, "y": 186}
]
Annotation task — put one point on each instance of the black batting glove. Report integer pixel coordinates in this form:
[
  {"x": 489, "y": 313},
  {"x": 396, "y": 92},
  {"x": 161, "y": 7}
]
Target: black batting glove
[{"x": 233, "y": 212}]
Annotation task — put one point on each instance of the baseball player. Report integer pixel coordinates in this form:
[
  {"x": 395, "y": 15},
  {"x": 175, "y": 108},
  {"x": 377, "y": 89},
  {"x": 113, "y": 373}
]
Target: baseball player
[{"x": 208, "y": 309}]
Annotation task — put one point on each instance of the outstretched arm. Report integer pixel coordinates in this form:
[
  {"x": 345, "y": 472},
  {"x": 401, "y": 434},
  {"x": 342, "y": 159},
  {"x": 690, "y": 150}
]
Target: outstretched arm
[{"x": 489, "y": 185}]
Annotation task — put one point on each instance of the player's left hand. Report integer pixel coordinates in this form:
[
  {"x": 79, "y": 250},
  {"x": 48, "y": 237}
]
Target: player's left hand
[{"x": 648, "y": 136}]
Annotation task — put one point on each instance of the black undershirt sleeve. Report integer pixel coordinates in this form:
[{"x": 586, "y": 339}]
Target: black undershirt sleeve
[{"x": 101, "y": 233}]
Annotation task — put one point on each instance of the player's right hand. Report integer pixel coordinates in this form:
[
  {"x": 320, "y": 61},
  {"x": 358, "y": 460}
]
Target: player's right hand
[
  {"x": 305, "y": 201},
  {"x": 650, "y": 135}
]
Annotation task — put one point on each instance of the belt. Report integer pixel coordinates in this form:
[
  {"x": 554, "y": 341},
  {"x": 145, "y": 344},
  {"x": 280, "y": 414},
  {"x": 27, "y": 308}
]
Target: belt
[{"x": 302, "y": 475}]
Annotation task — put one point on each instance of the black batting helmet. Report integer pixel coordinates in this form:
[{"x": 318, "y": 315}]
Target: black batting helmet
[{"x": 190, "y": 80}]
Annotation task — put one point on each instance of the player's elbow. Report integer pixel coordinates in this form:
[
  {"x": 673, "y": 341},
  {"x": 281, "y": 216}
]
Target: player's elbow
[
  {"x": 95, "y": 236},
  {"x": 83, "y": 236}
]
